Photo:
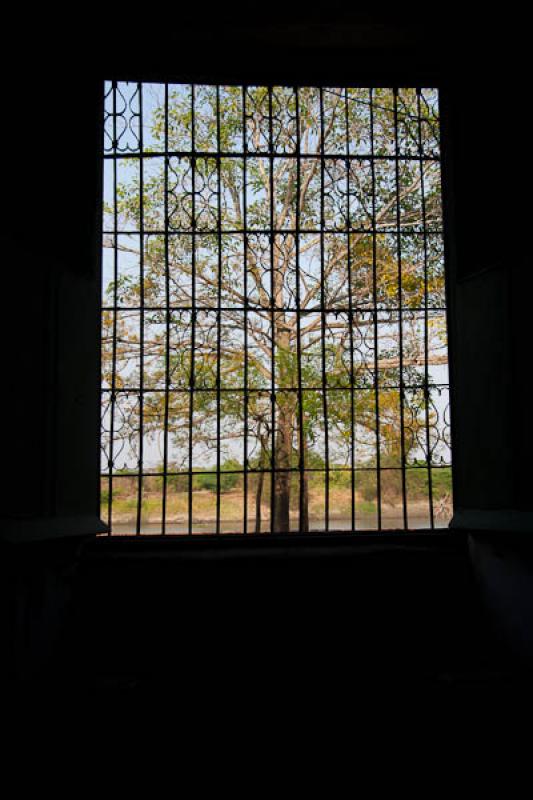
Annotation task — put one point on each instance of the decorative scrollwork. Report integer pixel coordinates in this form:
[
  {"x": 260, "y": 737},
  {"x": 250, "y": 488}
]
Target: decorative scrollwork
[{"x": 122, "y": 118}]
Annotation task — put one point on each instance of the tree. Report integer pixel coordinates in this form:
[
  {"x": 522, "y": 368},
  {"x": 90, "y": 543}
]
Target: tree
[{"x": 316, "y": 309}]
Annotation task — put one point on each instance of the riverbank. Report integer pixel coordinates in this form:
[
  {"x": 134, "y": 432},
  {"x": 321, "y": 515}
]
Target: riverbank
[{"x": 204, "y": 512}]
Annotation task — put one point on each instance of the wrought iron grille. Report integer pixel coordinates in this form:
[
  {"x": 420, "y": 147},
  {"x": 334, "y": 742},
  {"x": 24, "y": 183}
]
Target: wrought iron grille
[{"x": 274, "y": 349}]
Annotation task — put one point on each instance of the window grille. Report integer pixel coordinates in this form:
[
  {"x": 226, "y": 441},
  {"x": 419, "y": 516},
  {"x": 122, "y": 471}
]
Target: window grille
[{"x": 274, "y": 351}]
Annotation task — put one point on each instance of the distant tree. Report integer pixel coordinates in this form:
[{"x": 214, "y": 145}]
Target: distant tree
[{"x": 344, "y": 270}]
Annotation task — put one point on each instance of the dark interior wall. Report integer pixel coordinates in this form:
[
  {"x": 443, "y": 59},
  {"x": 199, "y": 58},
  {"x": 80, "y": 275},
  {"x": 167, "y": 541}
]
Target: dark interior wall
[
  {"x": 51, "y": 178},
  {"x": 492, "y": 281},
  {"x": 51, "y": 290}
]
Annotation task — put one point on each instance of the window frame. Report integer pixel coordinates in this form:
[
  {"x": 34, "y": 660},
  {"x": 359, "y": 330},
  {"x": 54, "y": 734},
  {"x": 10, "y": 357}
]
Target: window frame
[{"x": 337, "y": 74}]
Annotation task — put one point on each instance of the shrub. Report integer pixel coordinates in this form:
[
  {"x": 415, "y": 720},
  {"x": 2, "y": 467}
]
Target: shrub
[{"x": 228, "y": 480}]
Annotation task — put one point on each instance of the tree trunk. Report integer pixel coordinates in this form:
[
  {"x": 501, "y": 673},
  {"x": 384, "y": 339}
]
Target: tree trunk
[
  {"x": 304, "y": 486},
  {"x": 282, "y": 480},
  {"x": 258, "y": 497},
  {"x": 260, "y": 481},
  {"x": 285, "y": 413}
]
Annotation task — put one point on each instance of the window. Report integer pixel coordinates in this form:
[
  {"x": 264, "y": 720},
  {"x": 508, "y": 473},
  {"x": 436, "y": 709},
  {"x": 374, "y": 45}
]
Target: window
[{"x": 274, "y": 352}]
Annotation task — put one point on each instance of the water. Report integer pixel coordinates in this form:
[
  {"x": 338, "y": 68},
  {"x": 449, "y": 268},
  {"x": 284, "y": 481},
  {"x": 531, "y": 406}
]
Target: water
[{"x": 364, "y": 522}]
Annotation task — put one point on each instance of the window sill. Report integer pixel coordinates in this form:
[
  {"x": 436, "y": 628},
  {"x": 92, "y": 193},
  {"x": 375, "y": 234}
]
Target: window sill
[
  {"x": 275, "y": 547},
  {"x": 508, "y": 520},
  {"x": 43, "y": 529}
]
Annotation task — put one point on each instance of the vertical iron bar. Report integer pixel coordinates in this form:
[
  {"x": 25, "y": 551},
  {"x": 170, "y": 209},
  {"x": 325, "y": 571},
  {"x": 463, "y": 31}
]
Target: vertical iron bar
[
  {"x": 219, "y": 303},
  {"x": 245, "y": 267},
  {"x": 350, "y": 312},
  {"x": 167, "y": 339},
  {"x": 400, "y": 306},
  {"x": 115, "y": 301},
  {"x": 273, "y": 320},
  {"x": 449, "y": 254},
  {"x": 301, "y": 455},
  {"x": 193, "y": 308},
  {"x": 50, "y": 336},
  {"x": 426, "y": 315},
  {"x": 322, "y": 306},
  {"x": 141, "y": 316},
  {"x": 375, "y": 312}
]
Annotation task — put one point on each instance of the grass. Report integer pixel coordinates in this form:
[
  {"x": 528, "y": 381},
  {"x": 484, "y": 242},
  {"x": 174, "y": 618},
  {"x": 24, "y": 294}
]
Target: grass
[{"x": 204, "y": 505}]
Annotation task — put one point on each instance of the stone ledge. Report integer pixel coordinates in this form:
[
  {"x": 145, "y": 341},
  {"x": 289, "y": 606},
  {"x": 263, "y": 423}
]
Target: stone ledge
[
  {"x": 43, "y": 529},
  {"x": 511, "y": 520}
]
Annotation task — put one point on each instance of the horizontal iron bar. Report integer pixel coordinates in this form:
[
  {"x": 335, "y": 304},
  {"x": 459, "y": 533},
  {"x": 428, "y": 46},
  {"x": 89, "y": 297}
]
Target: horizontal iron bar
[
  {"x": 335, "y": 91},
  {"x": 217, "y": 155},
  {"x": 359, "y": 536},
  {"x": 279, "y": 389},
  {"x": 247, "y": 307},
  {"x": 251, "y": 470},
  {"x": 370, "y": 231}
]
